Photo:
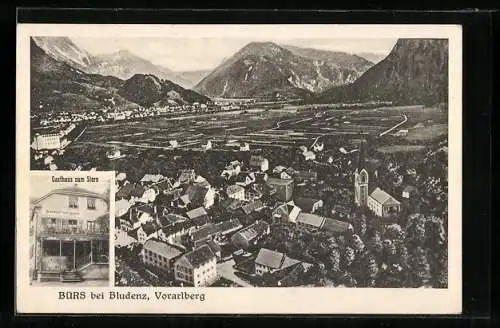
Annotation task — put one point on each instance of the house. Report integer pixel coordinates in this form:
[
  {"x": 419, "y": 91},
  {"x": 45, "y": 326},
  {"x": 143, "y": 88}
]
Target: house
[
  {"x": 173, "y": 233},
  {"x": 197, "y": 212},
  {"x": 252, "y": 193},
  {"x": 173, "y": 143},
  {"x": 186, "y": 176},
  {"x": 309, "y": 205},
  {"x": 313, "y": 222},
  {"x": 309, "y": 222},
  {"x": 383, "y": 204},
  {"x": 147, "y": 231},
  {"x": 121, "y": 177},
  {"x": 232, "y": 170},
  {"x": 169, "y": 219},
  {"x": 409, "y": 191},
  {"x": 251, "y": 235},
  {"x": 214, "y": 231},
  {"x": 148, "y": 196},
  {"x": 197, "y": 268},
  {"x": 309, "y": 156},
  {"x": 336, "y": 227},
  {"x": 160, "y": 255},
  {"x": 259, "y": 163},
  {"x": 215, "y": 248},
  {"x": 278, "y": 169},
  {"x": 318, "y": 146},
  {"x": 130, "y": 192},
  {"x": 207, "y": 146},
  {"x": 303, "y": 149},
  {"x": 287, "y": 212},
  {"x": 70, "y": 231},
  {"x": 284, "y": 188},
  {"x": 302, "y": 176},
  {"x": 122, "y": 206},
  {"x": 268, "y": 261},
  {"x": 168, "y": 198},
  {"x": 244, "y": 146},
  {"x": 245, "y": 178},
  {"x": 285, "y": 176},
  {"x": 113, "y": 154},
  {"x": 199, "y": 196},
  {"x": 235, "y": 192},
  {"x": 151, "y": 178}
]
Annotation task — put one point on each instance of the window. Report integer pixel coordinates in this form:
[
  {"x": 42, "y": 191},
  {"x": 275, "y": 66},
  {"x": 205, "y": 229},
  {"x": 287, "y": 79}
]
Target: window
[
  {"x": 91, "y": 203},
  {"x": 73, "y": 202},
  {"x": 72, "y": 222},
  {"x": 53, "y": 221}
]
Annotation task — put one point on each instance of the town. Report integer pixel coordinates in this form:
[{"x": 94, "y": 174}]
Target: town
[{"x": 253, "y": 222}]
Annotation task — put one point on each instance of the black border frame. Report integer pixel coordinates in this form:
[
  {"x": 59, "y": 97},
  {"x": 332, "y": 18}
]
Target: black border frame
[{"x": 477, "y": 87}]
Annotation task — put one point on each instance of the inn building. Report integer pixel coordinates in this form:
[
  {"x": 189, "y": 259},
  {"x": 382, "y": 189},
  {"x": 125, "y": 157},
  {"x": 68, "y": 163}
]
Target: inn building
[{"x": 69, "y": 231}]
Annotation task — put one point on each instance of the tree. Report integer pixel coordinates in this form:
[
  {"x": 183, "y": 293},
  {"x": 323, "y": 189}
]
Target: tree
[
  {"x": 357, "y": 244},
  {"x": 421, "y": 271},
  {"x": 349, "y": 257}
]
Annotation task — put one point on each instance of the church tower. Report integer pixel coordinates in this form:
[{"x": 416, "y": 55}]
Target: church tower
[{"x": 361, "y": 178}]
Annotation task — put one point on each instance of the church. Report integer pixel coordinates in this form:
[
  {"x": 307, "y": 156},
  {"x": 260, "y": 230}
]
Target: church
[{"x": 378, "y": 201}]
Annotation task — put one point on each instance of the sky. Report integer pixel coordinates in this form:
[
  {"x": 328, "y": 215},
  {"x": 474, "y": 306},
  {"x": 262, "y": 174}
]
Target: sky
[
  {"x": 41, "y": 184},
  {"x": 190, "y": 54}
]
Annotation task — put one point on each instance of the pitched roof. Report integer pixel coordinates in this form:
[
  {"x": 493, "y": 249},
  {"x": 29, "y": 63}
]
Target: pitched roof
[
  {"x": 211, "y": 229},
  {"x": 201, "y": 220},
  {"x": 231, "y": 204},
  {"x": 170, "y": 218},
  {"x": 133, "y": 233},
  {"x": 254, "y": 230},
  {"x": 199, "y": 256},
  {"x": 159, "y": 247},
  {"x": 306, "y": 203},
  {"x": 176, "y": 227},
  {"x": 310, "y": 219},
  {"x": 196, "y": 193},
  {"x": 213, "y": 246},
  {"x": 73, "y": 191},
  {"x": 149, "y": 228},
  {"x": 233, "y": 189},
  {"x": 256, "y": 160},
  {"x": 252, "y": 206},
  {"x": 200, "y": 211},
  {"x": 147, "y": 208},
  {"x": 151, "y": 177},
  {"x": 335, "y": 225},
  {"x": 383, "y": 198},
  {"x": 269, "y": 258},
  {"x": 282, "y": 182},
  {"x": 130, "y": 190}
]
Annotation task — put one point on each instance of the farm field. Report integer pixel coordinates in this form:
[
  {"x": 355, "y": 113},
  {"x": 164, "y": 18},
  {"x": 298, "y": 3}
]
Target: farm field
[{"x": 276, "y": 128}]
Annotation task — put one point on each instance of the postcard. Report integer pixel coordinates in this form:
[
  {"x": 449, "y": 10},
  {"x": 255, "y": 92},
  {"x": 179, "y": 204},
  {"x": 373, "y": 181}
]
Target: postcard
[{"x": 250, "y": 169}]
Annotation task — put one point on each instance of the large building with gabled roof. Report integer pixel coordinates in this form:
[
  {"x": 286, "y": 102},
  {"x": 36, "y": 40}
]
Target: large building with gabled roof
[
  {"x": 197, "y": 268},
  {"x": 383, "y": 204}
]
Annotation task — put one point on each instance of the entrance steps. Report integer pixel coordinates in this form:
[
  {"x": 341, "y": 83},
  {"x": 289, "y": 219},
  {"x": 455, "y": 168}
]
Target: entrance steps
[{"x": 71, "y": 276}]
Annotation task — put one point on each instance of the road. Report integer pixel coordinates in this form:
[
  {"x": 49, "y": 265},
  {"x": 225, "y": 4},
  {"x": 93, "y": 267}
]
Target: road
[
  {"x": 226, "y": 270},
  {"x": 405, "y": 119}
]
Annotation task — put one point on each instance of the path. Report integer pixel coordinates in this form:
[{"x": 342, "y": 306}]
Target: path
[{"x": 395, "y": 126}]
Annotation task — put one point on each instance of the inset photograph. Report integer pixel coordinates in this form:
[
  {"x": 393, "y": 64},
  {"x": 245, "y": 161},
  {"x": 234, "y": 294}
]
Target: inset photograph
[{"x": 69, "y": 228}]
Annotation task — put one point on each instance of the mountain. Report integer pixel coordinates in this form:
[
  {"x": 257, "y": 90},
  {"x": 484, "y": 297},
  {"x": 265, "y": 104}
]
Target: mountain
[
  {"x": 57, "y": 86},
  {"x": 191, "y": 78},
  {"x": 148, "y": 89},
  {"x": 122, "y": 64},
  {"x": 64, "y": 50},
  {"x": 414, "y": 72},
  {"x": 265, "y": 69},
  {"x": 373, "y": 57}
]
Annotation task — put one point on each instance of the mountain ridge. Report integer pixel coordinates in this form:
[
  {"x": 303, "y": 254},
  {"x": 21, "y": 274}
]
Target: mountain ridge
[
  {"x": 414, "y": 72},
  {"x": 266, "y": 69}
]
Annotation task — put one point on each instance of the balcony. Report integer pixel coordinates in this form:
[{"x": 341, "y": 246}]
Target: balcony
[{"x": 72, "y": 230}]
